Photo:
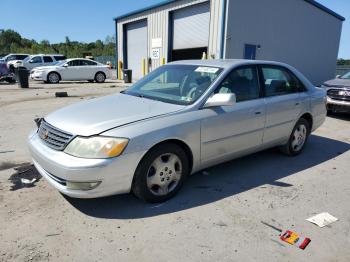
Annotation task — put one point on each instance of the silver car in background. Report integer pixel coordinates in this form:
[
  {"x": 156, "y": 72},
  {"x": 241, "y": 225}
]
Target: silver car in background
[
  {"x": 179, "y": 119},
  {"x": 338, "y": 93}
]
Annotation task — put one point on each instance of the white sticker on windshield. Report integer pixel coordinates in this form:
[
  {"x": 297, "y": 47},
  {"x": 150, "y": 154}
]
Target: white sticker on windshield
[{"x": 211, "y": 70}]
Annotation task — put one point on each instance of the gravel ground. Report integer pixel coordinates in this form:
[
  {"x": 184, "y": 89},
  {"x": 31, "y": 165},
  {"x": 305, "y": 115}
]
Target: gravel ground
[{"x": 217, "y": 216}]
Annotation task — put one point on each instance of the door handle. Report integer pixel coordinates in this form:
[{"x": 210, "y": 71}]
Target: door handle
[
  {"x": 297, "y": 103},
  {"x": 257, "y": 112}
]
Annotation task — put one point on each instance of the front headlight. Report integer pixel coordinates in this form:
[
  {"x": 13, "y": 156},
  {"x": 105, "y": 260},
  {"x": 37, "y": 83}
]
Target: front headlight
[{"x": 96, "y": 147}]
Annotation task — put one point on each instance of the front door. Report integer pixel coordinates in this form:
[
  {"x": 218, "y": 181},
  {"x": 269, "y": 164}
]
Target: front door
[
  {"x": 231, "y": 130},
  {"x": 71, "y": 72}
]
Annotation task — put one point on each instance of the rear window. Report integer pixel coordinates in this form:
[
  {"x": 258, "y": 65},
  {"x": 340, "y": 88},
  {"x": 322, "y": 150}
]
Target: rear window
[{"x": 60, "y": 57}]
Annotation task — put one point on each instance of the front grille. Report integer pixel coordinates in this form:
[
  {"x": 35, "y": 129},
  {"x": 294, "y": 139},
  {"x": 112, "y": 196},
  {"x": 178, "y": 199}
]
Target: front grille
[
  {"x": 53, "y": 137},
  {"x": 338, "y": 94}
]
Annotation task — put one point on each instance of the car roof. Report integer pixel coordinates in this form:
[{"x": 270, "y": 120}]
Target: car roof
[
  {"x": 16, "y": 54},
  {"x": 226, "y": 63},
  {"x": 71, "y": 59}
]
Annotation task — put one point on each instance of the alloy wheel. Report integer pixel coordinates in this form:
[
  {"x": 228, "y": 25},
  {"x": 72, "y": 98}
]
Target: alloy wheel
[
  {"x": 299, "y": 137},
  {"x": 164, "y": 174}
]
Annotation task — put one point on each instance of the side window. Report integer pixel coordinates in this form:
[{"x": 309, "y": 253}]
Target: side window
[
  {"x": 88, "y": 63},
  {"x": 278, "y": 81},
  {"x": 36, "y": 59},
  {"x": 243, "y": 82},
  {"x": 74, "y": 63},
  {"x": 48, "y": 59}
]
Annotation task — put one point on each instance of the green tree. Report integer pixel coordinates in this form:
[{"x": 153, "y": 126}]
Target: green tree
[{"x": 12, "y": 42}]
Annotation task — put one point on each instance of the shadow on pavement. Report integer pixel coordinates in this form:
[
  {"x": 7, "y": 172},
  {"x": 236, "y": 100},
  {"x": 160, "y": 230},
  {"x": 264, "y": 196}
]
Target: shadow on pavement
[
  {"x": 223, "y": 181},
  {"x": 340, "y": 116}
]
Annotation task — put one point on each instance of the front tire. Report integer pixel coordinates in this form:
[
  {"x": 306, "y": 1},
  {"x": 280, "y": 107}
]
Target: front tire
[
  {"x": 160, "y": 174},
  {"x": 297, "y": 139},
  {"x": 100, "y": 77},
  {"x": 53, "y": 78}
]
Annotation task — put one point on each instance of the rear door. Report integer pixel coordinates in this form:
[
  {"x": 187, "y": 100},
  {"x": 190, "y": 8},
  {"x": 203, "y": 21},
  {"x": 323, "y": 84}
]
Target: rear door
[
  {"x": 232, "y": 130},
  {"x": 283, "y": 102},
  {"x": 89, "y": 69}
]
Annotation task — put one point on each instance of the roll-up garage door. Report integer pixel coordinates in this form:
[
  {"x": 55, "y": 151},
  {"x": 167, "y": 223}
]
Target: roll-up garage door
[
  {"x": 191, "y": 26},
  {"x": 136, "y": 37}
]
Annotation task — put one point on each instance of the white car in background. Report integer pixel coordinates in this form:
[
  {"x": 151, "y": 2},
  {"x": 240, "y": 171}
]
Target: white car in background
[
  {"x": 13, "y": 59},
  {"x": 34, "y": 61},
  {"x": 72, "y": 69}
]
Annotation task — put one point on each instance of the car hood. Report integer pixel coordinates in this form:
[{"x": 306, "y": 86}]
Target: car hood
[
  {"x": 338, "y": 82},
  {"x": 101, "y": 114}
]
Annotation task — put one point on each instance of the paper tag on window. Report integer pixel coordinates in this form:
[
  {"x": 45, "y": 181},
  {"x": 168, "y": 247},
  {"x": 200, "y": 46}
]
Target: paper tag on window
[{"x": 211, "y": 70}]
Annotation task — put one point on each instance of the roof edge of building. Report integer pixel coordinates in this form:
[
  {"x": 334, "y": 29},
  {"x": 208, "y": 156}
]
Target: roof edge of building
[
  {"x": 144, "y": 9},
  {"x": 312, "y": 2},
  {"x": 325, "y": 9}
]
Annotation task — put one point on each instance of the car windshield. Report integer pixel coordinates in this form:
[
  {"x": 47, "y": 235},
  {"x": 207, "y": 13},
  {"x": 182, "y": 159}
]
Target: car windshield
[
  {"x": 27, "y": 59},
  {"x": 59, "y": 63},
  {"x": 176, "y": 84},
  {"x": 346, "y": 76}
]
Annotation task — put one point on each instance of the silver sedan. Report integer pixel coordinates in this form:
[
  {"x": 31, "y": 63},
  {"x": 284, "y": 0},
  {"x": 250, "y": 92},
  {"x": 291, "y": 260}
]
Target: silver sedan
[{"x": 181, "y": 118}]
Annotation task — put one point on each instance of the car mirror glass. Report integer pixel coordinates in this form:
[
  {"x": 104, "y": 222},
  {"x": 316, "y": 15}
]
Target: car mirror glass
[{"x": 221, "y": 100}]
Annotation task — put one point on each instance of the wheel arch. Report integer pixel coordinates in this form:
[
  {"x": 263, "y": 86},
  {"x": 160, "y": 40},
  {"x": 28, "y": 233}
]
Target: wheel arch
[
  {"x": 308, "y": 117},
  {"x": 100, "y": 72},
  {"x": 177, "y": 142},
  {"x": 47, "y": 76}
]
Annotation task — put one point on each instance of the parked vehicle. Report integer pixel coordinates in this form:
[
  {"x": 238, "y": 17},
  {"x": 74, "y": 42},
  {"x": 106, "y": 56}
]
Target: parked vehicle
[
  {"x": 13, "y": 59},
  {"x": 338, "y": 93},
  {"x": 34, "y": 61},
  {"x": 179, "y": 119},
  {"x": 5, "y": 74},
  {"x": 72, "y": 69}
]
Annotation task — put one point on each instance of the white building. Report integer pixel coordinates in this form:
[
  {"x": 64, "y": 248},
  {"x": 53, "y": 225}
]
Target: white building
[{"x": 302, "y": 33}]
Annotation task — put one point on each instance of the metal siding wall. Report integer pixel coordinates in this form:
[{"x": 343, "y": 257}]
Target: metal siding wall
[
  {"x": 191, "y": 27},
  {"x": 293, "y": 32},
  {"x": 158, "y": 23}
]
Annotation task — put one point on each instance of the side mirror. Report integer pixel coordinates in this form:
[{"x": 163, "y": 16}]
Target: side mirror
[
  {"x": 65, "y": 65},
  {"x": 31, "y": 61},
  {"x": 221, "y": 100},
  {"x": 338, "y": 76}
]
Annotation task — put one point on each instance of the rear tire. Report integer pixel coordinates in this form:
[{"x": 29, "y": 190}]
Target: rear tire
[
  {"x": 100, "y": 77},
  {"x": 297, "y": 139},
  {"x": 161, "y": 173},
  {"x": 53, "y": 78}
]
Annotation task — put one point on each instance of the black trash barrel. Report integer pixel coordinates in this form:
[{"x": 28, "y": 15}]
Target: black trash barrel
[
  {"x": 127, "y": 75},
  {"x": 23, "y": 77}
]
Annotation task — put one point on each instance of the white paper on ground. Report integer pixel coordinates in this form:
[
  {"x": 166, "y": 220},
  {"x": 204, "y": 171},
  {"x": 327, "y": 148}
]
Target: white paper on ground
[{"x": 322, "y": 219}]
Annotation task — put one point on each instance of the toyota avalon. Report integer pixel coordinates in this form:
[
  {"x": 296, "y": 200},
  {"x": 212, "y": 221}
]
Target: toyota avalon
[{"x": 181, "y": 118}]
